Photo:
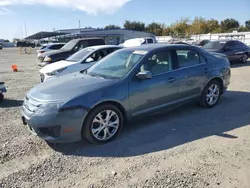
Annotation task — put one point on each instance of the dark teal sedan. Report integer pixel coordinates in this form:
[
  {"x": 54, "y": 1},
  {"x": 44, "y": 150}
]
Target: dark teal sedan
[{"x": 129, "y": 83}]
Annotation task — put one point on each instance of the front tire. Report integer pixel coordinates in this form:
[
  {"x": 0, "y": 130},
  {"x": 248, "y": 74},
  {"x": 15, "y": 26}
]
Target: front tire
[
  {"x": 103, "y": 124},
  {"x": 1, "y": 97},
  {"x": 211, "y": 94}
]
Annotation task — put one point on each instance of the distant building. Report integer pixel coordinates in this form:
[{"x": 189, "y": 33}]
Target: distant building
[{"x": 110, "y": 36}]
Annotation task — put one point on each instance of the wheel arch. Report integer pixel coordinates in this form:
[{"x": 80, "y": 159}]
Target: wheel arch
[
  {"x": 218, "y": 79},
  {"x": 114, "y": 103}
]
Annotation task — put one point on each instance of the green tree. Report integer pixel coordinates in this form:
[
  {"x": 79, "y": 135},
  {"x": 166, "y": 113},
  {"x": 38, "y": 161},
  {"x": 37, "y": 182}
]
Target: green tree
[
  {"x": 134, "y": 25},
  {"x": 247, "y": 23},
  {"x": 199, "y": 26},
  {"x": 167, "y": 31},
  {"x": 181, "y": 28},
  {"x": 229, "y": 24},
  {"x": 213, "y": 26},
  {"x": 242, "y": 29},
  {"x": 155, "y": 28},
  {"x": 112, "y": 27}
]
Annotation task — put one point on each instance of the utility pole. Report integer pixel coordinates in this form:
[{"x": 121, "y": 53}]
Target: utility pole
[
  {"x": 25, "y": 29},
  {"x": 21, "y": 32},
  {"x": 79, "y": 26}
]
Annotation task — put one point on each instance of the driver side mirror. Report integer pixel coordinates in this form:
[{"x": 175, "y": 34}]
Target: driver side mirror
[
  {"x": 144, "y": 75},
  {"x": 89, "y": 60}
]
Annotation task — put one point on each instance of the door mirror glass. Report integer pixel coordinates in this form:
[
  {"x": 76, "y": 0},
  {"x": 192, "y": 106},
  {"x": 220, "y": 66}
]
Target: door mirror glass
[
  {"x": 144, "y": 75},
  {"x": 89, "y": 60}
]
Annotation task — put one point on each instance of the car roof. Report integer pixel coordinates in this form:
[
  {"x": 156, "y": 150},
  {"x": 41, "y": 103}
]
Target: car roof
[
  {"x": 150, "y": 47},
  {"x": 97, "y": 47},
  {"x": 86, "y": 39},
  {"x": 225, "y": 40},
  {"x": 51, "y": 44}
]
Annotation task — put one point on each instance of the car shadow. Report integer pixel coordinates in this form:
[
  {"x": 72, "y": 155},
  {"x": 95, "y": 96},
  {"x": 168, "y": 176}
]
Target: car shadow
[
  {"x": 9, "y": 103},
  {"x": 237, "y": 64},
  {"x": 174, "y": 128}
]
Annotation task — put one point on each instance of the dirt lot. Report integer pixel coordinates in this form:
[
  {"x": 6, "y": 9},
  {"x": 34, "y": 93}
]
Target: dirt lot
[{"x": 188, "y": 147}]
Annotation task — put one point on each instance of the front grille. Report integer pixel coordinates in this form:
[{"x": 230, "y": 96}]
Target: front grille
[{"x": 30, "y": 105}]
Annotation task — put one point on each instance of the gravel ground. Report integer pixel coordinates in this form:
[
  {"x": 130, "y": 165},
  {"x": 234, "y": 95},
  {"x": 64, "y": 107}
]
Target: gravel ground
[{"x": 187, "y": 147}]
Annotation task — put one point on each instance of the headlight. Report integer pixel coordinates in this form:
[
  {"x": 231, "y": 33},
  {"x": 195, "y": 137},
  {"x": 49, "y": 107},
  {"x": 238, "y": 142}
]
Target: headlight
[
  {"x": 47, "y": 59},
  {"x": 48, "y": 108},
  {"x": 56, "y": 72}
]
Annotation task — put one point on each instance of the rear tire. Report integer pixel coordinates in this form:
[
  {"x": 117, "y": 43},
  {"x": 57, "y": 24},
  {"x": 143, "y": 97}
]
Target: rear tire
[
  {"x": 103, "y": 124},
  {"x": 211, "y": 94},
  {"x": 244, "y": 58}
]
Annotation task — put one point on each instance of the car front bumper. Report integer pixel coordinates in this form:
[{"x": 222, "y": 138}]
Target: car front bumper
[{"x": 57, "y": 127}]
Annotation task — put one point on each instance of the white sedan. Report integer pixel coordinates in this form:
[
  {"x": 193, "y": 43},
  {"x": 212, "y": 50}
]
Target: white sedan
[{"x": 79, "y": 61}]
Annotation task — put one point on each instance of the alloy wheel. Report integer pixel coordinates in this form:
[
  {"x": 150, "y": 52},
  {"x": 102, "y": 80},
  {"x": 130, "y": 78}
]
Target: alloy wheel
[
  {"x": 105, "y": 125},
  {"x": 213, "y": 94},
  {"x": 245, "y": 58}
]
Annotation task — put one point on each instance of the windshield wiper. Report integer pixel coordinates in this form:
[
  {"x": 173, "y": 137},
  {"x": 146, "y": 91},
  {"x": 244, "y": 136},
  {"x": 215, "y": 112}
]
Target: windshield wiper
[{"x": 97, "y": 76}]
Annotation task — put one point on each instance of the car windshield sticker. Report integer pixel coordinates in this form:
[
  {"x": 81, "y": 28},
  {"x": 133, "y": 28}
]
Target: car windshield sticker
[{"x": 140, "y": 52}]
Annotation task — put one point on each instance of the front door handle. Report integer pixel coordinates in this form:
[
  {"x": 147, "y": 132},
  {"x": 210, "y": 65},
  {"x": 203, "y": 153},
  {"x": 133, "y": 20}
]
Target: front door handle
[{"x": 170, "y": 80}]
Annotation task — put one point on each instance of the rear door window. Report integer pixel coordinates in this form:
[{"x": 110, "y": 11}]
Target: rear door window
[
  {"x": 187, "y": 58},
  {"x": 150, "y": 41},
  {"x": 238, "y": 45},
  {"x": 230, "y": 46},
  {"x": 94, "y": 42}
]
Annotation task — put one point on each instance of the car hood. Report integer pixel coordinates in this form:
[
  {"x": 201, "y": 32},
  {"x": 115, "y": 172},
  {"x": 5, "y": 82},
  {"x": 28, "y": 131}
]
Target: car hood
[
  {"x": 53, "y": 52},
  {"x": 56, "y": 66},
  {"x": 67, "y": 87}
]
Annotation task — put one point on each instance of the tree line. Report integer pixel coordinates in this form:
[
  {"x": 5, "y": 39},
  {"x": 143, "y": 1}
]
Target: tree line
[{"x": 186, "y": 26}]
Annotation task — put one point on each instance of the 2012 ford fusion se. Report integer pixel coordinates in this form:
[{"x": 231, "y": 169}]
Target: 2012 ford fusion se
[{"x": 127, "y": 84}]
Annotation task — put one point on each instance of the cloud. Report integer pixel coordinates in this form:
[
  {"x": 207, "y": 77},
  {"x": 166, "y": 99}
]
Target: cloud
[
  {"x": 89, "y": 6},
  {"x": 5, "y": 11}
]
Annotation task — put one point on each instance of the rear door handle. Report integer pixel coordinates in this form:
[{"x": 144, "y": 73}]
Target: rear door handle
[
  {"x": 206, "y": 70},
  {"x": 170, "y": 80}
]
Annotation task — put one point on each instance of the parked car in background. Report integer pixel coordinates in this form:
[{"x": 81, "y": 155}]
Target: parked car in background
[
  {"x": 233, "y": 49},
  {"x": 2, "y": 91},
  {"x": 127, "y": 84},
  {"x": 49, "y": 47},
  {"x": 1, "y": 46},
  {"x": 176, "y": 42},
  {"x": 26, "y": 44},
  {"x": 79, "y": 61},
  {"x": 138, "y": 42},
  {"x": 188, "y": 41},
  {"x": 201, "y": 42},
  {"x": 67, "y": 50}
]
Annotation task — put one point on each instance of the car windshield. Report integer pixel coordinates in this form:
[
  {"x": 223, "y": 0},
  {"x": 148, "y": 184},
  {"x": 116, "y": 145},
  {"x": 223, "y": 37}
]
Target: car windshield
[
  {"x": 214, "y": 45},
  {"x": 42, "y": 47},
  {"x": 70, "y": 45},
  {"x": 116, "y": 65},
  {"x": 79, "y": 55}
]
